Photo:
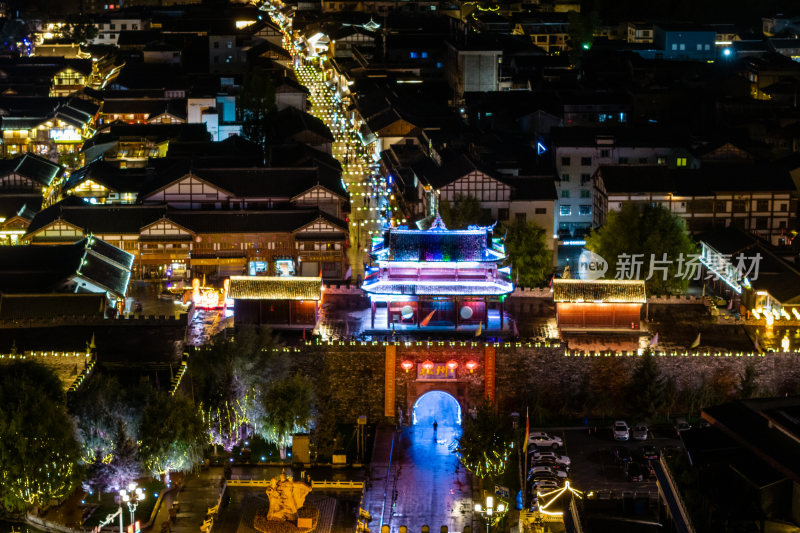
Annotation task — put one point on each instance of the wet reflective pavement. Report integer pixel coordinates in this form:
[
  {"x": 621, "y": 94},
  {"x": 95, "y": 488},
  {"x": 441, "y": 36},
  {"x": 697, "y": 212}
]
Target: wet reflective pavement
[{"x": 426, "y": 485}]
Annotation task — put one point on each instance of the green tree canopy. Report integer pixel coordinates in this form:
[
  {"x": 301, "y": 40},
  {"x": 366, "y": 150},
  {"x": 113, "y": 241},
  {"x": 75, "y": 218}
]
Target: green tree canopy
[
  {"x": 286, "y": 408},
  {"x": 646, "y": 393},
  {"x": 81, "y": 32},
  {"x": 528, "y": 255},
  {"x": 636, "y": 235},
  {"x": 172, "y": 435},
  {"x": 464, "y": 212},
  {"x": 485, "y": 442},
  {"x": 748, "y": 386},
  {"x": 582, "y": 27},
  {"x": 117, "y": 469},
  {"x": 38, "y": 450}
]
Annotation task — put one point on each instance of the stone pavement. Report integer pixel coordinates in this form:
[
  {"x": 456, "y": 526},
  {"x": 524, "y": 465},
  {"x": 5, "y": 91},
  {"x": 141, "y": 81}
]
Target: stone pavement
[
  {"x": 199, "y": 492},
  {"x": 424, "y": 484}
]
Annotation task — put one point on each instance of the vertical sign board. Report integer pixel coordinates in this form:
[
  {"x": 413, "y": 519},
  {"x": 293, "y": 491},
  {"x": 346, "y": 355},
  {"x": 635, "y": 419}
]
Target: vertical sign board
[
  {"x": 389, "y": 384},
  {"x": 488, "y": 372}
]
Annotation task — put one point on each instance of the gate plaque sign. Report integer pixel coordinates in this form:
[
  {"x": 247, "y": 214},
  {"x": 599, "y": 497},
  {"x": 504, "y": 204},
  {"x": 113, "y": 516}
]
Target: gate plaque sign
[{"x": 438, "y": 372}]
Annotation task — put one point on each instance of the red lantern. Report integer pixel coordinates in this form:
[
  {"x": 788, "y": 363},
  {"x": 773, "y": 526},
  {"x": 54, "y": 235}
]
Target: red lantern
[
  {"x": 452, "y": 365},
  {"x": 427, "y": 365},
  {"x": 471, "y": 366},
  {"x": 407, "y": 365}
]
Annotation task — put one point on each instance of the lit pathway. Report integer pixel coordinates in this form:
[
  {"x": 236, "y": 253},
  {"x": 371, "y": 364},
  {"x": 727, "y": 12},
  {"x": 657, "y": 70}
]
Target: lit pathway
[
  {"x": 369, "y": 197},
  {"x": 425, "y": 485},
  {"x": 368, "y": 202}
]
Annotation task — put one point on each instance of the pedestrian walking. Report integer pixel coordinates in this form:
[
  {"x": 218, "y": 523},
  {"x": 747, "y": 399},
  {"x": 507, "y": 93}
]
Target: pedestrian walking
[{"x": 435, "y": 425}]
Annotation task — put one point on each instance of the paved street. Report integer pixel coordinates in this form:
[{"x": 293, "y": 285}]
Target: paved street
[
  {"x": 369, "y": 205},
  {"x": 425, "y": 485}
]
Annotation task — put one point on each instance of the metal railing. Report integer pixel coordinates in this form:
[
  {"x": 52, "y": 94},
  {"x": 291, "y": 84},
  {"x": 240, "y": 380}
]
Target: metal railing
[
  {"x": 673, "y": 487},
  {"x": 322, "y": 485}
]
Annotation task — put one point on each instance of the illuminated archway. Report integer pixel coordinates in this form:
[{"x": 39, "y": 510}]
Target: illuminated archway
[{"x": 439, "y": 406}]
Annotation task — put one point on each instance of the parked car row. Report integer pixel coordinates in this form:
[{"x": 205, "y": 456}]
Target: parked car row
[
  {"x": 622, "y": 432},
  {"x": 548, "y": 469}
]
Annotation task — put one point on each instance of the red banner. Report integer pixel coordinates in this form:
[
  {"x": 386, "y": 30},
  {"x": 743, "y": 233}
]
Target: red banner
[
  {"x": 389, "y": 381},
  {"x": 488, "y": 372}
]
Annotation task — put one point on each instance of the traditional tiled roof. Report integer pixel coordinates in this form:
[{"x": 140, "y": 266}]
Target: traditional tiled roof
[
  {"x": 38, "y": 168},
  {"x": 620, "y": 291},
  {"x": 60, "y": 268},
  {"x": 275, "y": 288},
  {"x": 290, "y": 122}
]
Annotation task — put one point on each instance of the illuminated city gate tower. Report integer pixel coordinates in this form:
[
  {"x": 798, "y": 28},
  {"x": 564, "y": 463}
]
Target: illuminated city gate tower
[{"x": 437, "y": 278}]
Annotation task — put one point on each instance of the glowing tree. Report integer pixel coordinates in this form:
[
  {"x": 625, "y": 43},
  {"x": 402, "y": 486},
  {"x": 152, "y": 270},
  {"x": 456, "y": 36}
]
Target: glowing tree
[
  {"x": 285, "y": 410},
  {"x": 227, "y": 376},
  {"x": 38, "y": 451},
  {"x": 172, "y": 436},
  {"x": 485, "y": 444}
]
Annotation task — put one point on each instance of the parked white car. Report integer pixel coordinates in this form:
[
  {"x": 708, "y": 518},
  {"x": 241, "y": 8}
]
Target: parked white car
[
  {"x": 543, "y": 440},
  {"x": 551, "y": 456},
  {"x": 621, "y": 430},
  {"x": 545, "y": 471}
]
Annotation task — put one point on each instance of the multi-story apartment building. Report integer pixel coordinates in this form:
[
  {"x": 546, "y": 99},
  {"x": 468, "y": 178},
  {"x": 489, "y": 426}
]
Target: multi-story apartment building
[
  {"x": 110, "y": 26},
  {"x": 756, "y": 198},
  {"x": 579, "y": 152},
  {"x": 639, "y": 33},
  {"x": 548, "y": 31}
]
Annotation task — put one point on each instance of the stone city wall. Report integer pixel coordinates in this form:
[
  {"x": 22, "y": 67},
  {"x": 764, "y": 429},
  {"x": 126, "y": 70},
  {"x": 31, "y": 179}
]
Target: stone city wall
[{"x": 350, "y": 375}]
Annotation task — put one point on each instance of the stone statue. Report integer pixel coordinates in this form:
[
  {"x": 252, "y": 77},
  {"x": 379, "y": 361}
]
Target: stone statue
[{"x": 286, "y": 496}]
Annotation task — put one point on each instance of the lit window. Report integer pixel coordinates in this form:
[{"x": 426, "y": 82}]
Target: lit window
[
  {"x": 585, "y": 210},
  {"x": 438, "y": 64},
  {"x": 707, "y": 47},
  {"x": 674, "y": 46},
  {"x": 413, "y": 55},
  {"x": 424, "y": 55},
  {"x": 681, "y": 162},
  {"x": 699, "y": 46},
  {"x": 683, "y": 46},
  {"x": 565, "y": 210}
]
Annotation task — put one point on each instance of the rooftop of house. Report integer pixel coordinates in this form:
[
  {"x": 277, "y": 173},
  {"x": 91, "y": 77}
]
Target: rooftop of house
[
  {"x": 132, "y": 219},
  {"x": 704, "y": 181},
  {"x": 291, "y": 121},
  {"x": 67, "y": 267},
  {"x": 767, "y": 427},
  {"x": 275, "y": 288},
  {"x": 775, "y": 275},
  {"x": 32, "y": 166},
  {"x": 647, "y": 137},
  {"x": 606, "y": 291}
]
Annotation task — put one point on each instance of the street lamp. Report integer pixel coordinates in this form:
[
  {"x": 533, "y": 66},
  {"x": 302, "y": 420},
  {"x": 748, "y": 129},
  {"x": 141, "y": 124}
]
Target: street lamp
[
  {"x": 132, "y": 496},
  {"x": 491, "y": 512}
]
